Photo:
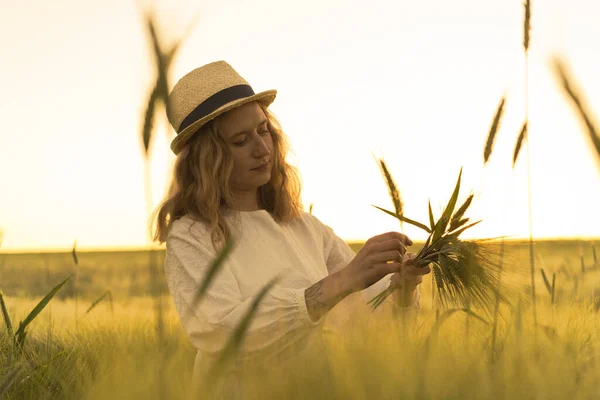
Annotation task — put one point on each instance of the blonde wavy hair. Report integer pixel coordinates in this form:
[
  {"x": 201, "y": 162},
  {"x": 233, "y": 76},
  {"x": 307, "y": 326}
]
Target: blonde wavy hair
[{"x": 200, "y": 184}]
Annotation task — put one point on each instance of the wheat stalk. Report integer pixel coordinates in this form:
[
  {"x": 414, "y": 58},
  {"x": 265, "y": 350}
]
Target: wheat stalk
[
  {"x": 463, "y": 270},
  {"x": 487, "y": 152},
  {"x": 527, "y": 25},
  {"x": 392, "y": 187},
  {"x": 76, "y": 289},
  {"x": 576, "y": 97},
  {"x": 522, "y": 135},
  {"x": 525, "y": 136}
]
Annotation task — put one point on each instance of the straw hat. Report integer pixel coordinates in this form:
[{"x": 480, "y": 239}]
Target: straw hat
[{"x": 205, "y": 93}]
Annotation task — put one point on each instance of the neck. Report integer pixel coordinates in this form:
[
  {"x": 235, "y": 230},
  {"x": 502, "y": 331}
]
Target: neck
[{"x": 246, "y": 201}]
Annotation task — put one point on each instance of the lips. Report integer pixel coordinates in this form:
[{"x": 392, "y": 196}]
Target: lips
[{"x": 261, "y": 165}]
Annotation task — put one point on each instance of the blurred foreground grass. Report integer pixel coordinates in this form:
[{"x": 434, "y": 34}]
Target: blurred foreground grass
[{"x": 113, "y": 351}]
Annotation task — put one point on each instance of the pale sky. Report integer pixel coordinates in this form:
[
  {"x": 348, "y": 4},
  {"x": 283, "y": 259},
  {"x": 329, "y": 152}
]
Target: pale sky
[{"x": 416, "y": 82}]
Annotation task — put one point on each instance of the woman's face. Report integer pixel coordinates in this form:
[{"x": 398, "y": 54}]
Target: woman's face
[{"x": 246, "y": 132}]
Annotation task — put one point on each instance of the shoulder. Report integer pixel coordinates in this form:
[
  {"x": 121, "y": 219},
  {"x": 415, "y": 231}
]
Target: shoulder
[
  {"x": 304, "y": 218},
  {"x": 180, "y": 226},
  {"x": 186, "y": 229},
  {"x": 314, "y": 224}
]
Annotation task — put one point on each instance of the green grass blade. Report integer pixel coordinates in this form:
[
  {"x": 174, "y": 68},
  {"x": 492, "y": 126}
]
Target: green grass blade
[
  {"x": 110, "y": 301},
  {"x": 74, "y": 252},
  {"x": 431, "y": 257},
  {"x": 39, "y": 307},
  {"x": 170, "y": 54},
  {"x": 553, "y": 286},
  {"x": 378, "y": 300},
  {"x": 519, "y": 143},
  {"x": 7, "y": 321},
  {"x": 431, "y": 220},
  {"x": 236, "y": 338},
  {"x": 440, "y": 227},
  {"x": 97, "y": 301},
  {"x": 456, "y": 219},
  {"x": 425, "y": 247},
  {"x": 577, "y": 100},
  {"x": 460, "y": 223},
  {"x": 149, "y": 118},
  {"x": 464, "y": 228},
  {"x": 404, "y": 219},
  {"x": 546, "y": 281},
  {"x": 20, "y": 338},
  {"x": 489, "y": 145},
  {"x": 159, "y": 58},
  {"x": 213, "y": 270}
]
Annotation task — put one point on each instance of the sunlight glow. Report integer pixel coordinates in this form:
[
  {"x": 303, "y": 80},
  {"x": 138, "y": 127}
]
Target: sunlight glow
[{"x": 415, "y": 82}]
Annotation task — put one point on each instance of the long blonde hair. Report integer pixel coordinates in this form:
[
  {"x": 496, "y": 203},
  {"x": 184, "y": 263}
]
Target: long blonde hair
[{"x": 200, "y": 184}]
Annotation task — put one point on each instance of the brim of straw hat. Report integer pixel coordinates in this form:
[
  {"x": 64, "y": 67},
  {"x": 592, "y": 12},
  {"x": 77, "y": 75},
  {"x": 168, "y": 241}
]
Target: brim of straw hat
[{"x": 266, "y": 98}]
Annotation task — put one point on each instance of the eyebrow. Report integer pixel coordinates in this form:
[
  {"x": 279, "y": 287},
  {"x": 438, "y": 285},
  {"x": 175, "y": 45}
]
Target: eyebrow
[{"x": 240, "y": 133}]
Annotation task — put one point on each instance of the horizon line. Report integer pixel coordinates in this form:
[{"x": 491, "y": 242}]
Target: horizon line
[{"x": 108, "y": 249}]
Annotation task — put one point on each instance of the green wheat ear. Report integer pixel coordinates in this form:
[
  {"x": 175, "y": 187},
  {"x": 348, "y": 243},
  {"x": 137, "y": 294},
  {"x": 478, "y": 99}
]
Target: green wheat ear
[
  {"x": 527, "y": 25},
  {"x": 519, "y": 143},
  {"x": 393, "y": 190},
  {"x": 487, "y": 152}
]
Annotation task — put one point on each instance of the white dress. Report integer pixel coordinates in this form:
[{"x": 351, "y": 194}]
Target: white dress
[{"x": 302, "y": 252}]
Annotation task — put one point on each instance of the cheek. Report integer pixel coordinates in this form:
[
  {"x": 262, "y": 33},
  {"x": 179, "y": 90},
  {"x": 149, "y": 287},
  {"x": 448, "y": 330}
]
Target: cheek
[
  {"x": 241, "y": 164},
  {"x": 238, "y": 157}
]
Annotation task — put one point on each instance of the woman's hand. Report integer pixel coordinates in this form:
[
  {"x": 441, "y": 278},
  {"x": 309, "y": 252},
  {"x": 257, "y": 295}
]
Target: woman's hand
[
  {"x": 381, "y": 255},
  {"x": 409, "y": 276}
]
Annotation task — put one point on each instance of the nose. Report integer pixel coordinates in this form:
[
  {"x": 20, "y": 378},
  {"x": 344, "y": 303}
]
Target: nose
[{"x": 261, "y": 149}]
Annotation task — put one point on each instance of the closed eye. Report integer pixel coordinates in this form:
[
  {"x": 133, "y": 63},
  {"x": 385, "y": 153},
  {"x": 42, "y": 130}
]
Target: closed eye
[{"x": 244, "y": 141}]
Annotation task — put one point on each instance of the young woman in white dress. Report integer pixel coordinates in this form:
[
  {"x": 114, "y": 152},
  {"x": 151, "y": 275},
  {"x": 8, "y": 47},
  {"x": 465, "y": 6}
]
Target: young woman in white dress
[{"x": 231, "y": 179}]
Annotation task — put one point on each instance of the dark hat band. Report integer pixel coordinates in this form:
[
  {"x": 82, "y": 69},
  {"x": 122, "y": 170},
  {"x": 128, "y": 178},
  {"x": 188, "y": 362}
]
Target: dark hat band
[{"x": 216, "y": 101}]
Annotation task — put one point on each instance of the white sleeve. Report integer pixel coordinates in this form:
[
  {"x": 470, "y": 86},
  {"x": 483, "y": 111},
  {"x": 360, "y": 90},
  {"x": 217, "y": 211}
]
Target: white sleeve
[{"x": 281, "y": 319}]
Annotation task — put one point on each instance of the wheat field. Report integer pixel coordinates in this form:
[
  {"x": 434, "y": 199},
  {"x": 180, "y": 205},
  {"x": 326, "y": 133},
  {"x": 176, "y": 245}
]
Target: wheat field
[
  {"x": 102, "y": 325},
  {"x": 112, "y": 350}
]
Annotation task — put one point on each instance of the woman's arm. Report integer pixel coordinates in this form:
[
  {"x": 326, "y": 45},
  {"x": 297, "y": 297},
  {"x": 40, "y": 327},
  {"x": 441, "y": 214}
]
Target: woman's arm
[
  {"x": 325, "y": 294},
  {"x": 337, "y": 254},
  {"x": 329, "y": 291}
]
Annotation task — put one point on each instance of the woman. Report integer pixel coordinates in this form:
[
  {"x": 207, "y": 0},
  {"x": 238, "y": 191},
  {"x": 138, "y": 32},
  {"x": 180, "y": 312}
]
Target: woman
[{"x": 231, "y": 180}]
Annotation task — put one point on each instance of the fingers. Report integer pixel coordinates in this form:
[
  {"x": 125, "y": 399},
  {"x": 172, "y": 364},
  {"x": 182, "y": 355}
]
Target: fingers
[
  {"x": 386, "y": 256},
  {"x": 401, "y": 279},
  {"x": 396, "y": 279},
  {"x": 391, "y": 235},
  {"x": 416, "y": 271},
  {"x": 387, "y": 245},
  {"x": 408, "y": 258},
  {"x": 391, "y": 267}
]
